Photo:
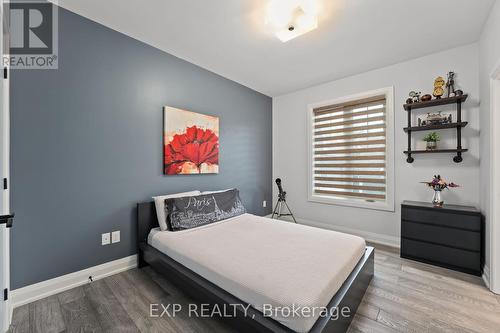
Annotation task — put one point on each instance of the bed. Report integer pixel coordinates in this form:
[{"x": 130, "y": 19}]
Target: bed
[{"x": 265, "y": 264}]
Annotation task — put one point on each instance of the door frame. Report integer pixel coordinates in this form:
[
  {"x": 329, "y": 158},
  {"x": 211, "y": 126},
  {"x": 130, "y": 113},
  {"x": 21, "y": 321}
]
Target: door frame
[
  {"x": 5, "y": 160},
  {"x": 6, "y": 197},
  {"x": 494, "y": 221}
]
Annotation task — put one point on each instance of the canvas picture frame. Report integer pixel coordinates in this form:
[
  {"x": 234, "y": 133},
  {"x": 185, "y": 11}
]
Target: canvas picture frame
[{"x": 190, "y": 142}]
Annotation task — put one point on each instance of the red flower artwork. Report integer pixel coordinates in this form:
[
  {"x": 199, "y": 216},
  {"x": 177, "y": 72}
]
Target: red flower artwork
[{"x": 194, "y": 151}]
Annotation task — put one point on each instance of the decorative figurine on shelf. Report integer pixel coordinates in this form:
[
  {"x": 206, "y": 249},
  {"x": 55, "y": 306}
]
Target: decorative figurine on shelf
[
  {"x": 437, "y": 119},
  {"x": 432, "y": 140},
  {"x": 459, "y": 92},
  {"x": 438, "y": 87},
  {"x": 438, "y": 184},
  {"x": 414, "y": 97},
  {"x": 426, "y": 98},
  {"x": 450, "y": 85}
]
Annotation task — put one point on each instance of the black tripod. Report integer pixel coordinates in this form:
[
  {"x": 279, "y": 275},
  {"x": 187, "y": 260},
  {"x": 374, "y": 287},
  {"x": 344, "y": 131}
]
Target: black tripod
[{"x": 281, "y": 202}]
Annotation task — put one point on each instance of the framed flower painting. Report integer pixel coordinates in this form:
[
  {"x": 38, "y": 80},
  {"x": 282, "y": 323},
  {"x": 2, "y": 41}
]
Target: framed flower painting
[{"x": 190, "y": 142}]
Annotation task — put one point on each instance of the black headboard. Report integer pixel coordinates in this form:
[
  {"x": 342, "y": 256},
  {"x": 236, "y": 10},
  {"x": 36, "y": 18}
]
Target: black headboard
[{"x": 146, "y": 220}]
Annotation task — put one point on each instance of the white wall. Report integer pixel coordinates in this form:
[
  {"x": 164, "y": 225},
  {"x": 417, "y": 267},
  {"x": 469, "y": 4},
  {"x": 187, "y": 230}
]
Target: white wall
[
  {"x": 489, "y": 57},
  {"x": 290, "y": 142}
]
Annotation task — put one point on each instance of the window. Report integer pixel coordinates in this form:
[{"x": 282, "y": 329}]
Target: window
[{"x": 351, "y": 151}]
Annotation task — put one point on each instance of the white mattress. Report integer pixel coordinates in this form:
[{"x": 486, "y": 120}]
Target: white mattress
[{"x": 263, "y": 261}]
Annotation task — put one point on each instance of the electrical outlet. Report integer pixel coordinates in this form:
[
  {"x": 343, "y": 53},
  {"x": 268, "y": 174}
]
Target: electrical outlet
[
  {"x": 106, "y": 238},
  {"x": 264, "y": 203},
  {"x": 115, "y": 236}
]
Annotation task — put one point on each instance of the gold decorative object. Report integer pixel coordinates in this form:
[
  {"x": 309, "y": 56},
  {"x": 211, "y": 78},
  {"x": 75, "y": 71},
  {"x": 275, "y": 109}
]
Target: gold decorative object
[{"x": 439, "y": 83}]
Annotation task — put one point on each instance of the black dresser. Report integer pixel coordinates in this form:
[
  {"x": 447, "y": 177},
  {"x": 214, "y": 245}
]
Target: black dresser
[{"x": 450, "y": 237}]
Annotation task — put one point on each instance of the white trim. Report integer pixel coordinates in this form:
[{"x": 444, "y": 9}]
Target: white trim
[
  {"x": 486, "y": 276},
  {"x": 6, "y": 317},
  {"x": 372, "y": 237},
  {"x": 495, "y": 74},
  {"x": 6, "y": 169},
  {"x": 273, "y": 150},
  {"x": 62, "y": 283},
  {"x": 388, "y": 205},
  {"x": 494, "y": 219}
]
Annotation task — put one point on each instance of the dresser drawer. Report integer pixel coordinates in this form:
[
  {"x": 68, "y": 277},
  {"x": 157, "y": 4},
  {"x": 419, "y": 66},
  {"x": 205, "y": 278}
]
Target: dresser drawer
[
  {"x": 458, "y": 238},
  {"x": 442, "y": 218},
  {"x": 466, "y": 261}
]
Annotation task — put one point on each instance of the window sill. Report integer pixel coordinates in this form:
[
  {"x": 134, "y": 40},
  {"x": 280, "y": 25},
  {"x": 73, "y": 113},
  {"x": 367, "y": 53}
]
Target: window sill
[{"x": 383, "y": 206}]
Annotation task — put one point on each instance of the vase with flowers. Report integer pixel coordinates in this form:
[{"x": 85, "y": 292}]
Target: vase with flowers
[
  {"x": 438, "y": 184},
  {"x": 432, "y": 140}
]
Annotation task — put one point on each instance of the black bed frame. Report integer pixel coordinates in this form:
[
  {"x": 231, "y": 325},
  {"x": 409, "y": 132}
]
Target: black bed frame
[{"x": 203, "y": 291}]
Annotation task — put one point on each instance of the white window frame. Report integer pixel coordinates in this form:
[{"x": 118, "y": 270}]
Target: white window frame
[{"x": 388, "y": 204}]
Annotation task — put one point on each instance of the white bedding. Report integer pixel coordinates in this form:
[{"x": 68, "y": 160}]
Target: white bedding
[{"x": 263, "y": 261}]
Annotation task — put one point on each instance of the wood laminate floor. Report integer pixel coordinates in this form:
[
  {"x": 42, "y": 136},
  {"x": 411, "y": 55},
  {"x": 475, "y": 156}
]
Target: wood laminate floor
[{"x": 404, "y": 296}]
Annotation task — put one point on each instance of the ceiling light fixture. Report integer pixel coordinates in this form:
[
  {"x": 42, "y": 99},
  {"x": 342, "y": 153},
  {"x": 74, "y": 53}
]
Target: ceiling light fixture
[{"x": 292, "y": 18}]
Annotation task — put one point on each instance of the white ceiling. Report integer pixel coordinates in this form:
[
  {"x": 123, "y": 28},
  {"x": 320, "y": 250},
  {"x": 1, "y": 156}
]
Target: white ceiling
[{"x": 229, "y": 37}]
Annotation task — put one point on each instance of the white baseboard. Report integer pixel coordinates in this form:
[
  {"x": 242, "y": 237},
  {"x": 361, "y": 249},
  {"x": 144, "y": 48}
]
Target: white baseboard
[
  {"x": 367, "y": 235},
  {"x": 486, "y": 276},
  {"x": 62, "y": 283}
]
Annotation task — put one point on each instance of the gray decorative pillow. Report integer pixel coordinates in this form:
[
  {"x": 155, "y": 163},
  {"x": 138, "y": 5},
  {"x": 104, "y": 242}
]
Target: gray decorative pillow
[{"x": 194, "y": 211}]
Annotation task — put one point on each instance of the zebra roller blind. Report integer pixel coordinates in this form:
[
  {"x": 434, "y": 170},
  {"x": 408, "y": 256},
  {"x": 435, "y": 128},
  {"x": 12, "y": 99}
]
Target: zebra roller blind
[{"x": 349, "y": 150}]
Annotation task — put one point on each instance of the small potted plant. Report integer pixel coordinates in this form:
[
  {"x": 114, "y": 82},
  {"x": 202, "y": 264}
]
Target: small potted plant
[
  {"x": 431, "y": 139},
  {"x": 438, "y": 184}
]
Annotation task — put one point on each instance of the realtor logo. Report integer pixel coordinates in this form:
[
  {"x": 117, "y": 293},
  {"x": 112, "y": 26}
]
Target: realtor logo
[{"x": 32, "y": 34}]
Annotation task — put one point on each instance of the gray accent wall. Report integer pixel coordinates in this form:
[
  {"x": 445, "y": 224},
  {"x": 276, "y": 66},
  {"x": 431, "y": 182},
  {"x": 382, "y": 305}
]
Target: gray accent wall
[{"x": 87, "y": 146}]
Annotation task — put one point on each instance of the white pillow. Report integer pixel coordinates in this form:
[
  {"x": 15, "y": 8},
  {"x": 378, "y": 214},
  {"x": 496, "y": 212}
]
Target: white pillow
[
  {"x": 160, "y": 206},
  {"x": 220, "y": 191}
]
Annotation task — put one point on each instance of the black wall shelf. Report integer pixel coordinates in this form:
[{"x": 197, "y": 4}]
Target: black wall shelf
[
  {"x": 458, "y": 100},
  {"x": 434, "y": 151},
  {"x": 436, "y": 102},
  {"x": 435, "y": 127}
]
